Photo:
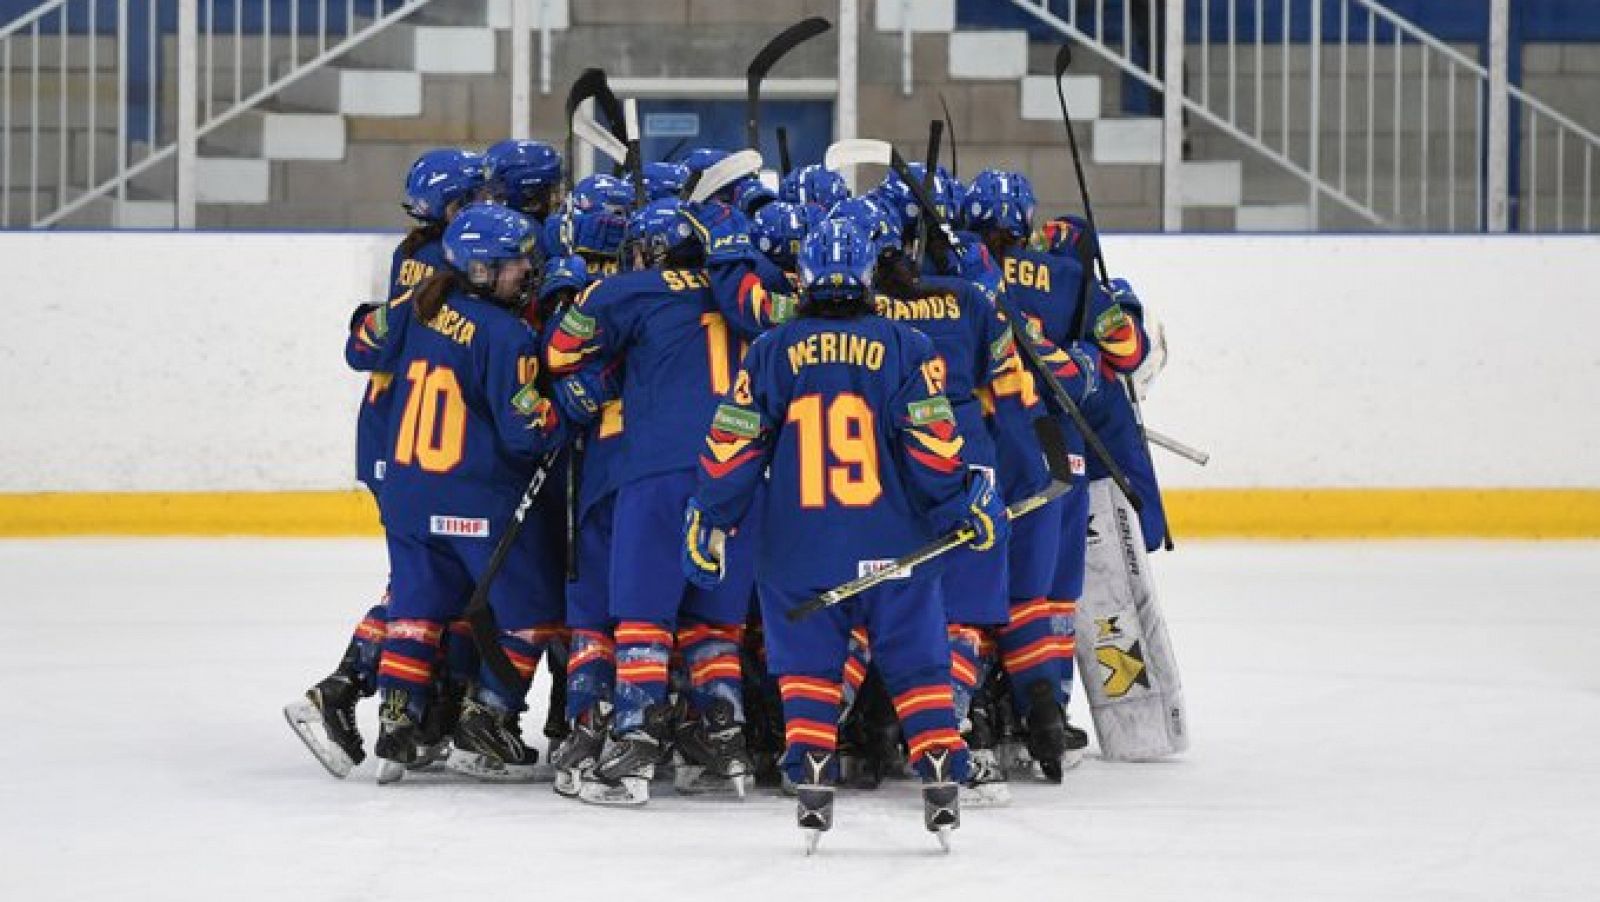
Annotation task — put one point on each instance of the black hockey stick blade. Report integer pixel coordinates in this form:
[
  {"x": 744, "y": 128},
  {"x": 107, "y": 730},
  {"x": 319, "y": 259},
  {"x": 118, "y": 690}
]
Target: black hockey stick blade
[
  {"x": 1063, "y": 58},
  {"x": 787, "y": 40},
  {"x": 586, "y": 86},
  {"x": 607, "y": 103},
  {"x": 785, "y": 164},
  {"x": 950, "y": 124}
]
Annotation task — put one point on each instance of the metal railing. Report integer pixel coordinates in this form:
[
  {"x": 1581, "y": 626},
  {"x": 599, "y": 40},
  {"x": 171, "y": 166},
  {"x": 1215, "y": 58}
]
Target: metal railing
[
  {"x": 88, "y": 105},
  {"x": 1362, "y": 107}
]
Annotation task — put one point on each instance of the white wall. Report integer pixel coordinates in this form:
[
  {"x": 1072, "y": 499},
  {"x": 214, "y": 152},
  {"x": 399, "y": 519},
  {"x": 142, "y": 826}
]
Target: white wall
[{"x": 152, "y": 361}]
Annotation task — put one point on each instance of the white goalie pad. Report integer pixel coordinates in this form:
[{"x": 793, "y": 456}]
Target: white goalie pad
[{"x": 1124, "y": 653}]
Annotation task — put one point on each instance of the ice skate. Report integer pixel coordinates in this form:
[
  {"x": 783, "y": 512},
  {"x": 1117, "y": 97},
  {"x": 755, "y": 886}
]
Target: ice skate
[
  {"x": 627, "y": 765},
  {"x": 489, "y": 746},
  {"x": 577, "y": 755},
  {"x": 941, "y": 798},
  {"x": 814, "y": 808},
  {"x": 1047, "y": 731},
  {"x": 711, "y": 754},
  {"x": 396, "y": 748},
  {"x": 986, "y": 787},
  {"x": 326, "y": 722}
]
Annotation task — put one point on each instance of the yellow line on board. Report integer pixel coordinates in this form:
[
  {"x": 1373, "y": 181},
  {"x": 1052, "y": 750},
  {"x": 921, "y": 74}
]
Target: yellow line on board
[{"x": 1195, "y": 513}]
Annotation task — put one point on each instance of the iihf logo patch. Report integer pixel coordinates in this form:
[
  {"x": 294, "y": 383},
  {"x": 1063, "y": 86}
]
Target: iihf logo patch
[{"x": 469, "y": 527}]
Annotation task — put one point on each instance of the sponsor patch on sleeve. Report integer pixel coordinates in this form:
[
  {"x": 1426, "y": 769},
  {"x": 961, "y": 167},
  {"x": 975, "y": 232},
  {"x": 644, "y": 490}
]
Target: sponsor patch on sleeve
[
  {"x": 1110, "y": 322},
  {"x": 526, "y": 400},
  {"x": 930, "y": 410},
  {"x": 738, "y": 421},
  {"x": 577, "y": 324}
]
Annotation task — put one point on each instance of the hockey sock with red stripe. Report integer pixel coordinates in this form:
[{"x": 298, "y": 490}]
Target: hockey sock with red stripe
[
  {"x": 524, "y": 648},
  {"x": 1038, "y": 644},
  {"x": 926, "y": 708},
  {"x": 361, "y": 656},
  {"x": 810, "y": 721},
  {"x": 591, "y": 671},
  {"x": 410, "y": 648},
  {"x": 711, "y": 655},
  {"x": 643, "y": 649}
]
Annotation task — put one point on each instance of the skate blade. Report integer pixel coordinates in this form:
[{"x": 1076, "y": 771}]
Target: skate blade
[
  {"x": 986, "y": 795},
  {"x": 692, "y": 780},
  {"x": 813, "y": 837},
  {"x": 429, "y": 755},
  {"x": 943, "y": 835},
  {"x": 488, "y": 770},
  {"x": 302, "y": 716},
  {"x": 389, "y": 771},
  {"x": 1071, "y": 758},
  {"x": 629, "y": 792}
]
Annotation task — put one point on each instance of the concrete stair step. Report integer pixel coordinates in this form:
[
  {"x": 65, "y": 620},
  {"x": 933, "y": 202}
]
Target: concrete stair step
[
  {"x": 275, "y": 135},
  {"x": 988, "y": 55},
  {"x": 494, "y": 14},
  {"x": 445, "y": 49},
  {"x": 921, "y": 15},
  {"x": 1131, "y": 140},
  {"x": 357, "y": 92},
  {"x": 232, "y": 180},
  {"x": 1040, "y": 103},
  {"x": 1274, "y": 218},
  {"x": 1212, "y": 183}
]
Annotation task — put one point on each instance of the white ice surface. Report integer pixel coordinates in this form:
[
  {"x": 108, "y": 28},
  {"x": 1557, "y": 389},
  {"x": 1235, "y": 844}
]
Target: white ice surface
[{"x": 1384, "y": 721}]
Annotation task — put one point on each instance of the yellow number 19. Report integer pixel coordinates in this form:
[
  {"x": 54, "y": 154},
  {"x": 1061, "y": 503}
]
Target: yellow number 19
[{"x": 851, "y": 441}]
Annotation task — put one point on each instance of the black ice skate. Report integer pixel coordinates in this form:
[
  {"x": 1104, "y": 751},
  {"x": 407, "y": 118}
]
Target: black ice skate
[
  {"x": 986, "y": 786},
  {"x": 556, "y": 727},
  {"x": 1047, "y": 730},
  {"x": 577, "y": 755},
  {"x": 397, "y": 736},
  {"x": 326, "y": 722},
  {"x": 941, "y": 797},
  {"x": 712, "y": 756},
  {"x": 627, "y": 765},
  {"x": 438, "y": 722},
  {"x": 814, "y": 794},
  {"x": 489, "y": 745}
]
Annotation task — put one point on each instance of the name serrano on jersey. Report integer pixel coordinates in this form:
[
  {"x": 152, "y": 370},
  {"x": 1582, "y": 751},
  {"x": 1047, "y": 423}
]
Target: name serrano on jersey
[
  {"x": 835, "y": 347},
  {"x": 684, "y": 280},
  {"x": 1027, "y": 273},
  {"x": 936, "y": 306},
  {"x": 454, "y": 326}
]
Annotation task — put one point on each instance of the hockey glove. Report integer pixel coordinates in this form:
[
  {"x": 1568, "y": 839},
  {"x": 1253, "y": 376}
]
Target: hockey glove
[
  {"x": 986, "y": 512},
  {"x": 724, "y": 232},
  {"x": 1155, "y": 355},
  {"x": 581, "y": 394},
  {"x": 703, "y": 548}
]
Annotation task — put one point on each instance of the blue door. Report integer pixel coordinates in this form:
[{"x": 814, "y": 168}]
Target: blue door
[{"x": 678, "y": 126}]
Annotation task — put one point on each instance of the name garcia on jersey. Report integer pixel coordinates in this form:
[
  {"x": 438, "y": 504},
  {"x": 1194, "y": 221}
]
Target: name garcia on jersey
[
  {"x": 835, "y": 347},
  {"x": 454, "y": 326}
]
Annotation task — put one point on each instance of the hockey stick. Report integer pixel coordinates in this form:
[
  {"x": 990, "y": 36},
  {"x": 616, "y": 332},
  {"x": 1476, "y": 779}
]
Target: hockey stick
[
  {"x": 721, "y": 174},
  {"x": 585, "y": 87},
  {"x": 1060, "y": 484},
  {"x": 854, "y": 151},
  {"x": 478, "y": 614},
  {"x": 635, "y": 157},
  {"x": 785, "y": 165},
  {"x": 592, "y": 134},
  {"x": 776, "y": 49},
  {"x": 935, "y": 136},
  {"x": 950, "y": 123}
]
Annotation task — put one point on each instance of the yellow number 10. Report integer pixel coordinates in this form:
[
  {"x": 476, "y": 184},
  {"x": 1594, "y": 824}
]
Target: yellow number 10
[
  {"x": 848, "y": 432},
  {"x": 434, "y": 437}
]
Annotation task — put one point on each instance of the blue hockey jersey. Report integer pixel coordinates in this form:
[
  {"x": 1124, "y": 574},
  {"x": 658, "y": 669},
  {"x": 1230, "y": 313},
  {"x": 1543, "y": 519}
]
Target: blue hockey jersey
[
  {"x": 681, "y": 358},
  {"x": 468, "y": 420},
  {"x": 406, "y": 272},
  {"x": 864, "y": 452}
]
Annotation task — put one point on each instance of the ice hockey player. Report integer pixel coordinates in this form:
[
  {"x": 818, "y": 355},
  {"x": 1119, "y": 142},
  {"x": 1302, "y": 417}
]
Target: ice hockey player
[
  {"x": 680, "y": 358},
  {"x": 847, "y": 410},
  {"x": 596, "y": 227},
  {"x": 813, "y": 186},
  {"x": 468, "y": 425},
  {"x": 437, "y": 186},
  {"x": 1038, "y": 645}
]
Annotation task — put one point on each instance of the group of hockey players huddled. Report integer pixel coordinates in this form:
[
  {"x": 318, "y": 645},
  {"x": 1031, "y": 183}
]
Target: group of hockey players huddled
[{"x": 735, "y": 403}]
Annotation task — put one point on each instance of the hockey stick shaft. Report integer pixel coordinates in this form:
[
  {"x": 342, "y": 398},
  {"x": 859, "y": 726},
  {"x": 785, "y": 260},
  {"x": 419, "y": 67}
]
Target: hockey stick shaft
[
  {"x": 950, "y": 125},
  {"x": 762, "y": 63},
  {"x": 785, "y": 164},
  {"x": 935, "y": 137},
  {"x": 902, "y": 566},
  {"x": 1187, "y": 452},
  {"x": 478, "y": 613}
]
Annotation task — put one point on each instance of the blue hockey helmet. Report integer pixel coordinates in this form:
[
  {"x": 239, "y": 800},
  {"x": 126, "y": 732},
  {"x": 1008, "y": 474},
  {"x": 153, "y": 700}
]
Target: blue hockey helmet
[
  {"x": 813, "y": 184},
  {"x": 601, "y": 193},
  {"x": 897, "y": 196},
  {"x": 440, "y": 178},
  {"x": 877, "y": 222},
  {"x": 664, "y": 179},
  {"x": 660, "y": 233},
  {"x": 523, "y": 175},
  {"x": 778, "y": 228},
  {"x": 483, "y": 238},
  {"x": 836, "y": 264},
  {"x": 1000, "y": 200},
  {"x": 702, "y": 158},
  {"x": 751, "y": 194}
]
